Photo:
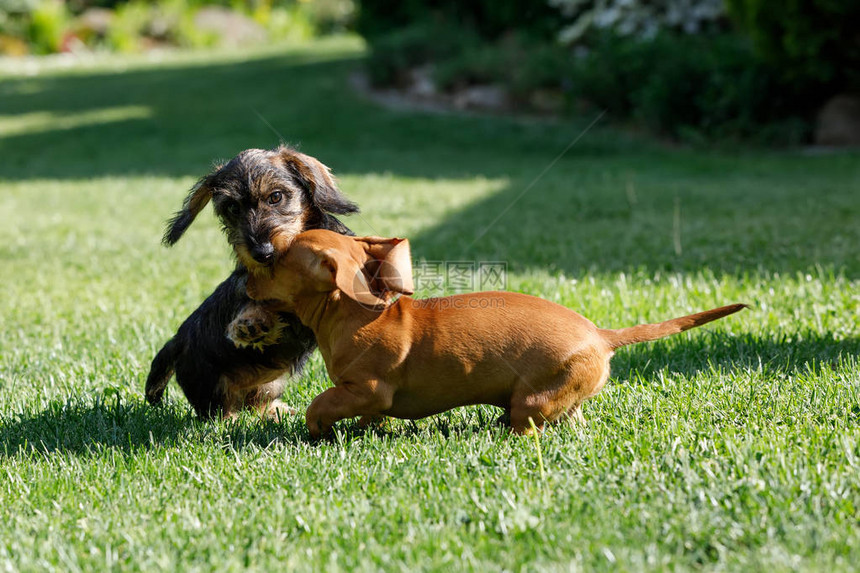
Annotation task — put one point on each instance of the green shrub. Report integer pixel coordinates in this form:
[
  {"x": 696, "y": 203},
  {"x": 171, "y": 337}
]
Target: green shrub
[
  {"x": 298, "y": 19},
  {"x": 139, "y": 24},
  {"x": 329, "y": 16},
  {"x": 285, "y": 22},
  {"x": 682, "y": 86},
  {"x": 13, "y": 23},
  {"x": 48, "y": 23},
  {"x": 479, "y": 64},
  {"x": 78, "y": 6},
  {"x": 717, "y": 84},
  {"x": 488, "y": 19},
  {"x": 394, "y": 54},
  {"x": 814, "y": 43},
  {"x": 42, "y": 26},
  {"x": 128, "y": 26},
  {"x": 677, "y": 85},
  {"x": 689, "y": 86},
  {"x": 518, "y": 61}
]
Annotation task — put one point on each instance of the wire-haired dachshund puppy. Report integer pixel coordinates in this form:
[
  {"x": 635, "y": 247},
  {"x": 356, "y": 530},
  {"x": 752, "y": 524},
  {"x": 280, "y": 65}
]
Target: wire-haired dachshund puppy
[
  {"x": 535, "y": 359},
  {"x": 260, "y": 196}
]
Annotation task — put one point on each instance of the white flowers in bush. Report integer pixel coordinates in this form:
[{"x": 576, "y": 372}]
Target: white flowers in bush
[{"x": 637, "y": 17}]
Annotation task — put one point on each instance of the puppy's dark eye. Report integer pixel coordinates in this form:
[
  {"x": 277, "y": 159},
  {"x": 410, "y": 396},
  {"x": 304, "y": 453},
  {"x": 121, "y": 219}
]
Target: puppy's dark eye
[
  {"x": 233, "y": 208},
  {"x": 275, "y": 198}
]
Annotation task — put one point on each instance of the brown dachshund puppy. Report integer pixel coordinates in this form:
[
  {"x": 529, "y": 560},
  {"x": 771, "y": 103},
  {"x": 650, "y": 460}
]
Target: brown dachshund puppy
[{"x": 535, "y": 359}]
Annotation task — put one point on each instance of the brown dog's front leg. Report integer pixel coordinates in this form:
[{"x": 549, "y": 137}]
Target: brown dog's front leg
[
  {"x": 346, "y": 400},
  {"x": 375, "y": 420}
]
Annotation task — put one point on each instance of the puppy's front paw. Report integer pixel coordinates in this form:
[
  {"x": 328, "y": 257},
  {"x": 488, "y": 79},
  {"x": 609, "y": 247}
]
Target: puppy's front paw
[
  {"x": 280, "y": 412},
  {"x": 255, "y": 328},
  {"x": 246, "y": 333}
]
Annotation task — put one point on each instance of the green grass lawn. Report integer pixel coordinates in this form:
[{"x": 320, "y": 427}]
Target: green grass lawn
[{"x": 732, "y": 447}]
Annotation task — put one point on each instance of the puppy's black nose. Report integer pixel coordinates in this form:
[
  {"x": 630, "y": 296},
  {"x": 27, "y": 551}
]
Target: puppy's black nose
[{"x": 264, "y": 253}]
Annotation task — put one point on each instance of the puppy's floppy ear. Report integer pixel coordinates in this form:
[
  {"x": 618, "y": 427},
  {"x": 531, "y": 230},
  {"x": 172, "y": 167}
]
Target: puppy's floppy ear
[
  {"x": 197, "y": 198},
  {"x": 318, "y": 181},
  {"x": 340, "y": 271},
  {"x": 389, "y": 263}
]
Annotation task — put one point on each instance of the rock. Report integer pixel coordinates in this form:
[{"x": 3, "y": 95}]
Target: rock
[
  {"x": 838, "y": 122},
  {"x": 421, "y": 82},
  {"x": 487, "y": 97},
  {"x": 233, "y": 29}
]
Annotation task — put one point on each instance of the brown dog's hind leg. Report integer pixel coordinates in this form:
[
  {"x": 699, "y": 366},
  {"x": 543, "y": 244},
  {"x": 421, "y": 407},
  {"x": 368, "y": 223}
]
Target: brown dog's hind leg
[
  {"x": 531, "y": 409},
  {"x": 540, "y": 416},
  {"x": 574, "y": 415},
  {"x": 522, "y": 419},
  {"x": 560, "y": 395},
  {"x": 582, "y": 377}
]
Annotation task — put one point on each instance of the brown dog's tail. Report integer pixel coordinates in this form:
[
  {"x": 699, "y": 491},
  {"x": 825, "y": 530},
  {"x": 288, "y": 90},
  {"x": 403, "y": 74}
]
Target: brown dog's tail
[
  {"x": 161, "y": 370},
  {"x": 646, "y": 332}
]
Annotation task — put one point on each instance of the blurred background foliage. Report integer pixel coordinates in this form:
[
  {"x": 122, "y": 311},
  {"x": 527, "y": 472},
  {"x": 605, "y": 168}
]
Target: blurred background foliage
[
  {"x": 689, "y": 70},
  {"x": 50, "y": 26}
]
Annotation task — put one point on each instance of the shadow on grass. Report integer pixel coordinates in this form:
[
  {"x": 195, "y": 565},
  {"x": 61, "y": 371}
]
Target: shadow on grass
[
  {"x": 460, "y": 422},
  {"x": 177, "y": 120},
  {"x": 86, "y": 428}
]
